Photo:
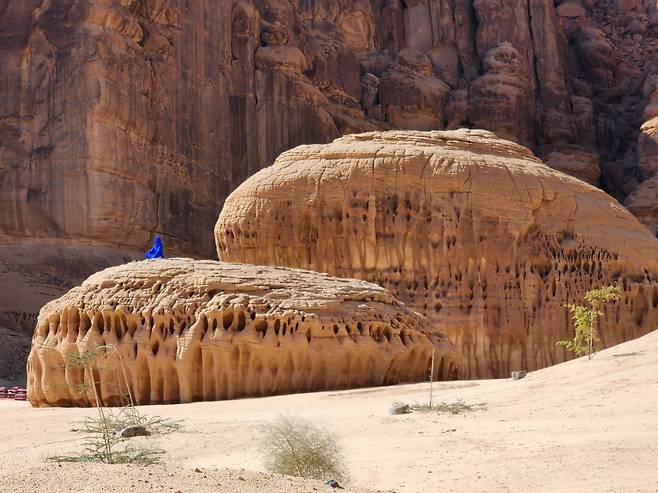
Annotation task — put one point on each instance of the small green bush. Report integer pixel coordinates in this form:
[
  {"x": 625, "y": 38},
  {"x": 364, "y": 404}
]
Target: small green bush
[
  {"x": 297, "y": 447},
  {"x": 105, "y": 444},
  {"x": 585, "y": 320}
]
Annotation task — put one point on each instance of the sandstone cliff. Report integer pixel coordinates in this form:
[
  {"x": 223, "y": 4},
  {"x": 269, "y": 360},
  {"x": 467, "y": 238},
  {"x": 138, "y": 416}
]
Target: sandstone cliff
[
  {"x": 472, "y": 231},
  {"x": 122, "y": 118},
  {"x": 201, "y": 330}
]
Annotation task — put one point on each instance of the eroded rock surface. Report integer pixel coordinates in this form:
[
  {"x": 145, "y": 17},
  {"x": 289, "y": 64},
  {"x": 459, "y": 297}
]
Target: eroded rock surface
[
  {"x": 122, "y": 119},
  {"x": 473, "y": 231},
  {"x": 199, "y": 330}
]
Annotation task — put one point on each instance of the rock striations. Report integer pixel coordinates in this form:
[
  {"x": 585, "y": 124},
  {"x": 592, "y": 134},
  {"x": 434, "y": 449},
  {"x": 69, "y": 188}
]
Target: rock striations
[
  {"x": 200, "y": 330},
  {"x": 472, "y": 231}
]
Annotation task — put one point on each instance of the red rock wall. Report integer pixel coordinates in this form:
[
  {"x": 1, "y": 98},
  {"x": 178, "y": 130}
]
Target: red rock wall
[
  {"x": 110, "y": 121},
  {"x": 124, "y": 118}
]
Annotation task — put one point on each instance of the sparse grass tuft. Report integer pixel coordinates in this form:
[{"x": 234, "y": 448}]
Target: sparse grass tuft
[
  {"x": 126, "y": 417},
  {"x": 105, "y": 432},
  {"x": 457, "y": 407},
  {"x": 94, "y": 451},
  {"x": 297, "y": 447}
]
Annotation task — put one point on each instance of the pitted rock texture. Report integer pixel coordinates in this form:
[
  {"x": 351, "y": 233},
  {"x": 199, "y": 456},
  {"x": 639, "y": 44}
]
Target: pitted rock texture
[
  {"x": 124, "y": 118},
  {"x": 201, "y": 330},
  {"x": 472, "y": 231}
]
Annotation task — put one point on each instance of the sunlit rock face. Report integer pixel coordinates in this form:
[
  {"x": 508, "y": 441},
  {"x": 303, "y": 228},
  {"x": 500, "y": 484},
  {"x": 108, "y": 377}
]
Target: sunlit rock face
[
  {"x": 186, "y": 330},
  {"x": 470, "y": 230}
]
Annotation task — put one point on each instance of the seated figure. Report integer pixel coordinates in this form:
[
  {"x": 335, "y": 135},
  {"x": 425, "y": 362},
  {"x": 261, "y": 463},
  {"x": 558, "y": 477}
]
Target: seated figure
[{"x": 157, "y": 250}]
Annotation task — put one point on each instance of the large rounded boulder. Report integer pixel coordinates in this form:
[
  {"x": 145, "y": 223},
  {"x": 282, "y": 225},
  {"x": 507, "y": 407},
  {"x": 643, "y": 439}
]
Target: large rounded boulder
[
  {"x": 181, "y": 330},
  {"x": 472, "y": 231}
]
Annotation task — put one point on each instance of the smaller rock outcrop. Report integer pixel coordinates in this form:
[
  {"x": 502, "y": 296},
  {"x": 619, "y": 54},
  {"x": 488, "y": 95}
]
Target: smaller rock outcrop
[
  {"x": 502, "y": 90},
  {"x": 188, "y": 330}
]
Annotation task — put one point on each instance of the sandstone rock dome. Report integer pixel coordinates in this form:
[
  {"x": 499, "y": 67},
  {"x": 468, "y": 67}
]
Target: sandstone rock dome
[
  {"x": 199, "y": 330},
  {"x": 471, "y": 230}
]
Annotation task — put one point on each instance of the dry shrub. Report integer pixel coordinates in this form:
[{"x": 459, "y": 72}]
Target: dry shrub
[
  {"x": 297, "y": 447},
  {"x": 457, "y": 407},
  {"x": 105, "y": 443}
]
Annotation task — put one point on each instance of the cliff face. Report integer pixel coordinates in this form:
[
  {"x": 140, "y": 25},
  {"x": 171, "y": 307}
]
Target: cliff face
[
  {"x": 471, "y": 231},
  {"x": 121, "y": 118},
  {"x": 111, "y": 117}
]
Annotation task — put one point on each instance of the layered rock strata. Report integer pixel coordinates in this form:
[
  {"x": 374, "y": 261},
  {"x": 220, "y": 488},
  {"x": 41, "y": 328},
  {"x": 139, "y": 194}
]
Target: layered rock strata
[
  {"x": 472, "y": 231},
  {"x": 189, "y": 330}
]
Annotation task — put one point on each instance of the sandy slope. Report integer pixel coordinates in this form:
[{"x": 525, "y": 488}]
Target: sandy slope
[{"x": 579, "y": 426}]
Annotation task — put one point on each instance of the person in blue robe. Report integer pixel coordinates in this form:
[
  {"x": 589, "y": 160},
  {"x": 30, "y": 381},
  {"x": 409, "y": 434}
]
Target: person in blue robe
[{"x": 157, "y": 250}]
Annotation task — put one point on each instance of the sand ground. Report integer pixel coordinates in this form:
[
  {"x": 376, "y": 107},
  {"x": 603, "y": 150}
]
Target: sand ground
[{"x": 579, "y": 426}]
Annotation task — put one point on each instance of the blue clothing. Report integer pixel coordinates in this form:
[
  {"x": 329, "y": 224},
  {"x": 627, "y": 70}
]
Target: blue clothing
[{"x": 157, "y": 250}]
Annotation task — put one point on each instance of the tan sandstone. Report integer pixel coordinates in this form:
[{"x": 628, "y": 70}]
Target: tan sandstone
[
  {"x": 534, "y": 436},
  {"x": 472, "y": 231},
  {"x": 201, "y": 330}
]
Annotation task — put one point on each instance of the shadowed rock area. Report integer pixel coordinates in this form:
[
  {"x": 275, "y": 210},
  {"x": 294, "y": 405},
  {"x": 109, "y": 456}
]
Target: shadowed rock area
[
  {"x": 471, "y": 230},
  {"x": 31, "y": 275},
  {"x": 202, "y": 330}
]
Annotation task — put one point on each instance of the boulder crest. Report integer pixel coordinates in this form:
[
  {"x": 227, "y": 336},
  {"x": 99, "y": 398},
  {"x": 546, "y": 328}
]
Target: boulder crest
[{"x": 472, "y": 231}]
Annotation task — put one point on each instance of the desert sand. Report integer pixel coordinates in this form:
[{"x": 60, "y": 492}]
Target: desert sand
[{"x": 578, "y": 426}]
